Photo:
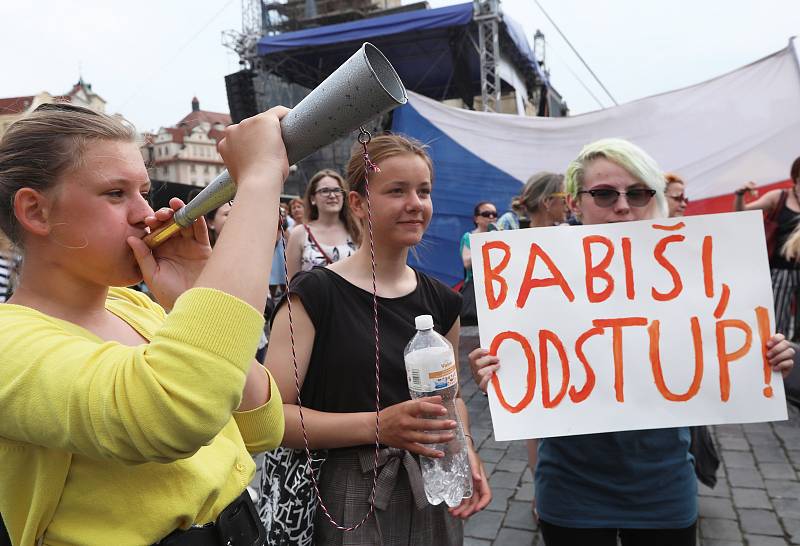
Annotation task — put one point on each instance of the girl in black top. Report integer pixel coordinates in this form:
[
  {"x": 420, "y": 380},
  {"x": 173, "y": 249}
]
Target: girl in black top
[
  {"x": 784, "y": 206},
  {"x": 334, "y": 342}
]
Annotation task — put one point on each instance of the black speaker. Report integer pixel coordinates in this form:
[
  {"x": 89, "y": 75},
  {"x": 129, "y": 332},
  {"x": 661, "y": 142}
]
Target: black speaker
[{"x": 241, "y": 95}]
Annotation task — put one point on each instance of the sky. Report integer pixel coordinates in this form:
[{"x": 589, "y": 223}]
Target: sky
[{"x": 148, "y": 58}]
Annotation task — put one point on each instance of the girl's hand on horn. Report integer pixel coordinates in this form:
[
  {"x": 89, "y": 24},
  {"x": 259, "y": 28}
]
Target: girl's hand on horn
[
  {"x": 411, "y": 424},
  {"x": 254, "y": 147},
  {"x": 172, "y": 268},
  {"x": 483, "y": 366}
]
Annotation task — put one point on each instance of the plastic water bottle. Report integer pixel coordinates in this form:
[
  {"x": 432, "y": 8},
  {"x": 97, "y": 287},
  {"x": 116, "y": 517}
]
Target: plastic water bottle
[{"x": 431, "y": 370}]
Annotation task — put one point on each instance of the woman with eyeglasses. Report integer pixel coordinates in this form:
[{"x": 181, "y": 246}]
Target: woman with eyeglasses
[
  {"x": 638, "y": 486},
  {"x": 484, "y": 215},
  {"x": 330, "y": 233},
  {"x": 676, "y": 195}
]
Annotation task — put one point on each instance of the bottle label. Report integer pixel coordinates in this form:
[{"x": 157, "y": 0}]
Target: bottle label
[{"x": 431, "y": 371}]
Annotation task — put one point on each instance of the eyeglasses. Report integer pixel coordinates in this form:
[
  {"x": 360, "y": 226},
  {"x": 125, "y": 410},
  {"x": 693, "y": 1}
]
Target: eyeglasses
[
  {"x": 680, "y": 197},
  {"x": 561, "y": 194},
  {"x": 606, "y": 197},
  {"x": 488, "y": 214},
  {"x": 329, "y": 192}
]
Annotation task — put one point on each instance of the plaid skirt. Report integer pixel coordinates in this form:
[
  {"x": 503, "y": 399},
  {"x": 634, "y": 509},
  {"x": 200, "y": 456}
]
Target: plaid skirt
[{"x": 402, "y": 516}]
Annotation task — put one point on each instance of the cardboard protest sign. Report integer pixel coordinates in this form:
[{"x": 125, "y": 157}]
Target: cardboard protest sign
[{"x": 627, "y": 326}]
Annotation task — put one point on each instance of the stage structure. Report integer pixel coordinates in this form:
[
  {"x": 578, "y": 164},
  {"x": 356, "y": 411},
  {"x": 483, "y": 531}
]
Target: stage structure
[{"x": 467, "y": 55}]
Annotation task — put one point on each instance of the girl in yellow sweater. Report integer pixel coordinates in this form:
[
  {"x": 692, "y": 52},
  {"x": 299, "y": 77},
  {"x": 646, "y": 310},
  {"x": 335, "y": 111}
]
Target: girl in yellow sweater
[{"x": 124, "y": 421}]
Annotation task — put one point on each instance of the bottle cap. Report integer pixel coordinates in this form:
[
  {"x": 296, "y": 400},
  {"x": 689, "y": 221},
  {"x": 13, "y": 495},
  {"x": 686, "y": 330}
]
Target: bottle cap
[{"x": 423, "y": 322}]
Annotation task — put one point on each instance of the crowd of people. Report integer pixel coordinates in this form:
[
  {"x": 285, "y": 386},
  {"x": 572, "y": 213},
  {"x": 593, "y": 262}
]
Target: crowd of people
[{"x": 115, "y": 399}]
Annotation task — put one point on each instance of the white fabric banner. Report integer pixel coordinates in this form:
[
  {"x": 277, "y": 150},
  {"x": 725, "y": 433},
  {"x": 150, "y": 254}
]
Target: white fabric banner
[
  {"x": 744, "y": 125},
  {"x": 627, "y": 326}
]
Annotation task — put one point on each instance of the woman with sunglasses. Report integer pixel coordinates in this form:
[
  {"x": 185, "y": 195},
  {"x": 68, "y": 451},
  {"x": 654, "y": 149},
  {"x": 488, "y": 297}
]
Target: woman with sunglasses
[
  {"x": 676, "y": 195},
  {"x": 330, "y": 233},
  {"x": 484, "y": 215},
  {"x": 638, "y": 486}
]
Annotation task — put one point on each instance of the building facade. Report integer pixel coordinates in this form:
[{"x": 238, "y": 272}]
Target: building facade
[
  {"x": 187, "y": 152},
  {"x": 14, "y": 108}
]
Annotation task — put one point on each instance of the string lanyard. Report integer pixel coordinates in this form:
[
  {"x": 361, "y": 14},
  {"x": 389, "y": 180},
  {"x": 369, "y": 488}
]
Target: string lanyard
[{"x": 364, "y": 138}]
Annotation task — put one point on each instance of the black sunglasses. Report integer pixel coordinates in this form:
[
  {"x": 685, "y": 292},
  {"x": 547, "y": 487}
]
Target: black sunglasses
[
  {"x": 488, "y": 214},
  {"x": 606, "y": 197}
]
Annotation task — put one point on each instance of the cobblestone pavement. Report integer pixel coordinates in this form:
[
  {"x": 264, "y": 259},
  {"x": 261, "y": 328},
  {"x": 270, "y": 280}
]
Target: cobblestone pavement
[{"x": 756, "y": 501}]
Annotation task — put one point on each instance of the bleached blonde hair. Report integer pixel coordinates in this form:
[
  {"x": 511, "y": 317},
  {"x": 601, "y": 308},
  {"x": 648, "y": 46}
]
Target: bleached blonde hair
[{"x": 625, "y": 154}]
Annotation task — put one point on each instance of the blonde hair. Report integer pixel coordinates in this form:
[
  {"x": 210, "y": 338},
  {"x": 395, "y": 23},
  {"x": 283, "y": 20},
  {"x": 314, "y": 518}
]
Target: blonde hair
[
  {"x": 539, "y": 188},
  {"x": 38, "y": 148},
  {"x": 382, "y": 147},
  {"x": 625, "y": 154}
]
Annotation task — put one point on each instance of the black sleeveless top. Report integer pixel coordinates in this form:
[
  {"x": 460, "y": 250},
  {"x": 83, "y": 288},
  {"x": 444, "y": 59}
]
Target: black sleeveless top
[
  {"x": 787, "y": 220},
  {"x": 341, "y": 371}
]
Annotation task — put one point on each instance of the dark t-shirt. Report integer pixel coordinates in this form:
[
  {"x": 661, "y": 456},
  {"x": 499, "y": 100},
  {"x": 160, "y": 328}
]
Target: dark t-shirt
[
  {"x": 787, "y": 220},
  {"x": 341, "y": 371}
]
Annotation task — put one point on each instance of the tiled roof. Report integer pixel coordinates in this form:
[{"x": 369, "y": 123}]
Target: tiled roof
[
  {"x": 15, "y": 105},
  {"x": 193, "y": 119}
]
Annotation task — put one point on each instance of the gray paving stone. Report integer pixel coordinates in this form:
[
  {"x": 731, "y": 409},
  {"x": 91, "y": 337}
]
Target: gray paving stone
[
  {"x": 751, "y": 498},
  {"x": 511, "y": 464},
  {"x": 488, "y": 468},
  {"x": 716, "y": 507},
  {"x": 515, "y": 537},
  {"x": 761, "y": 540},
  {"x": 491, "y": 443},
  {"x": 714, "y": 542},
  {"x": 518, "y": 450},
  {"x": 784, "y": 489},
  {"x": 520, "y": 516},
  {"x": 769, "y": 455},
  {"x": 787, "y": 508},
  {"x": 745, "y": 477},
  {"x": 720, "y": 529},
  {"x": 469, "y": 541},
  {"x": 720, "y": 490},
  {"x": 735, "y": 443},
  {"x": 491, "y": 455},
  {"x": 524, "y": 493},
  {"x": 761, "y": 522},
  {"x": 777, "y": 471},
  {"x": 792, "y": 528},
  {"x": 727, "y": 430},
  {"x": 738, "y": 459},
  {"x": 483, "y": 525},
  {"x": 504, "y": 479},
  {"x": 500, "y": 498}
]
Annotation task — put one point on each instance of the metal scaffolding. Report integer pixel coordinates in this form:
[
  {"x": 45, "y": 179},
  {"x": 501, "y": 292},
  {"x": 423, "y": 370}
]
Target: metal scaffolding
[
  {"x": 487, "y": 17},
  {"x": 245, "y": 43}
]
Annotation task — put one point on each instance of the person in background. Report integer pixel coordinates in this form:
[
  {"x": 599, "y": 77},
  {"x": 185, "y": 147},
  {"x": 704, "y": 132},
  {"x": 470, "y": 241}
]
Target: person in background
[
  {"x": 676, "y": 195},
  {"x": 8, "y": 267},
  {"x": 216, "y": 221},
  {"x": 638, "y": 487},
  {"x": 783, "y": 205},
  {"x": 330, "y": 232},
  {"x": 544, "y": 200},
  {"x": 297, "y": 212},
  {"x": 483, "y": 215},
  {"x": 107, "y": 396},
  {"x": 511, "y": 219}
]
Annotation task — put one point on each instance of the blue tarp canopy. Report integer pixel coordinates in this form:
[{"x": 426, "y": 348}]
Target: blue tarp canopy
[{"x": 434, "y": 51}]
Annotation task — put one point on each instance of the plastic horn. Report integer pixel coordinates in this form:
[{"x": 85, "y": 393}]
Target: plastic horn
[{"x": 364, "y": 87}]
